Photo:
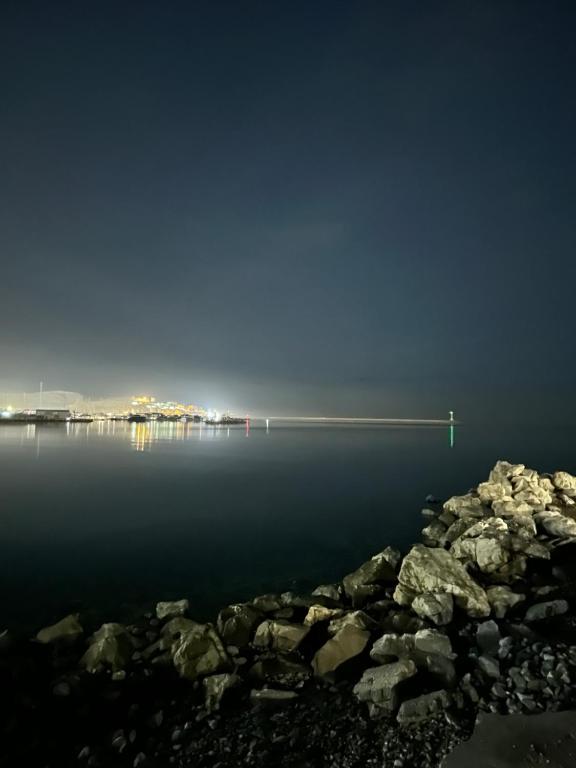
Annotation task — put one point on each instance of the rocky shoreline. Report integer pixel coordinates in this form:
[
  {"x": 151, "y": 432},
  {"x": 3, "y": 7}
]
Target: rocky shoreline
[{"x": 390, "y": 667}]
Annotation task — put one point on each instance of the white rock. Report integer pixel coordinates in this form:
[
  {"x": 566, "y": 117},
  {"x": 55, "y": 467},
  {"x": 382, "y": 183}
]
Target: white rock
[
  {"x": 465, "y": 506},
  {"x": 168, "y": 610},
  {"x": 508, "y": 507},
  {"x": 490, "y": 492},
  {"x": 66, "y": 630},
  {"x": 438, "y": 608},
  {"x": 503, "y": 599},
  {"x": 556, "y": 524},
  {"x": 565, "y": 482},
  {"x": 427, "y": 570}
]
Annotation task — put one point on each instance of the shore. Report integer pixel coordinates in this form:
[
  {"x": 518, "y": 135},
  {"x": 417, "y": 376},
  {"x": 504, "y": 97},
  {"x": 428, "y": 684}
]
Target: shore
[{"x": 390, "y": 667}]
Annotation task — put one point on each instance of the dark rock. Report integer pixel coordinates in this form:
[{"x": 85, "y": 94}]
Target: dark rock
[
  {"x": 542, "y": 611},
  {"x": 488, "y": 637}
]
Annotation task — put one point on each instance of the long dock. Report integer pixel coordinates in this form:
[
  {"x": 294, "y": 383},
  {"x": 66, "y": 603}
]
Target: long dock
[{"x": 357, "y": 420}]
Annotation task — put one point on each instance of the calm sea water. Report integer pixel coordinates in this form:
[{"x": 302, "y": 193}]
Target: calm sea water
[{"x": 109, "y": 517}]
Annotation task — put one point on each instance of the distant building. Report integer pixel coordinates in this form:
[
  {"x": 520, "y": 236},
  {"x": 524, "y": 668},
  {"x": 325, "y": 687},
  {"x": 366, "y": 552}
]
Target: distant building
[{"x": 52, "y": 414}]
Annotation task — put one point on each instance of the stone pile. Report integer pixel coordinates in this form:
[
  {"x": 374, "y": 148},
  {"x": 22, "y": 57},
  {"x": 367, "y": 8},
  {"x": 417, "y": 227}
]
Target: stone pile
[{"x": 476, "y": 616}]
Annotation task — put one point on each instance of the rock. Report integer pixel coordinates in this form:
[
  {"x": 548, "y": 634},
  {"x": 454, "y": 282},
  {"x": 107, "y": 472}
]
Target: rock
[
  {"x": 378, "y": 685},
  {"x": 366, "y": 581},
  {"x": 279, "y": 634},
  {"x": 428, "y": 649},
  {"x": 168, "y": 610},
  {"x": 535, "y": 496},
  {"x": 236, "y": 624},
  {"x": 436, "y": 607},
  {"x": 318, "y": 613},
  {"x": 436, "y": 571},
  {"x": 488, "y": 637},
  {"x": 556, "y": 524},
  {"x": 345, "y": 645},
  {"x": 447, "y": 518},
  {"x": 111, "y": 647},
  {"x": 332, "y": 591},
  {"x": 432, "y": 641},
  {"x": 423, "y": 707},
  {"x": 272, "y": 695},
  {"x": 434, "y": 533},
  {"x": 268, "y": 603},
  {"x": 503, "y": 471},
  {"x": 489, "y": 666},
  {"x": 357, "y": 619},
  {"x": 198, "y": 652},
  {"x": 67, "y": 630},
  {"x": 458, "y": 528},
  {"x": 215, "y": 686},
  {"x": 509, "y": 507},
  {"x": 565, "y": 482},
  {"x": 465, "y": 506},
  {"x": 394, "y": 645},
  {"x": 542, "y": 611},
  {"x": 491, "y": 492},
  {"x": 502, "y": 599}
]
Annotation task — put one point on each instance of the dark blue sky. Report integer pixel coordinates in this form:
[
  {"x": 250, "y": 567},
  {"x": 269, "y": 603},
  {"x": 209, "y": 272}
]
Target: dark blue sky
[{"x": 362, "y": 207}]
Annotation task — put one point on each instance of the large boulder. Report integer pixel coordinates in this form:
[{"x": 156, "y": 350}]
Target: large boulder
[
  {"x": 345, "y": 645},
  {"x": 438, "y": 608},
  {"x": 436, "y": 571},
  {"x": 236, "y": 624},
  {"x": 431, "y": 641},
  {"x": 423, "y": 707},
  {"x": 331, "y": 591},
  {"x": 111, "y": 647},
  {"x": 428, "y": 649},
  {"x": 67, "y": 630},
  {"x": 504, "y": 471},
  {"x": 365, "y": 582},
  {"x": 392, "y": 645},
  {"x": 466, "y": 506},
  {"x": 489, "y": 492},
  {"x": 556, "y": 524},
  {"x": 378, "y": 685},
  {"x": 198, "y": 652},
  {"x": 499, "y": 547},
  {"x": 564, "y": 482},
  {"x": 281, "y": 635}
]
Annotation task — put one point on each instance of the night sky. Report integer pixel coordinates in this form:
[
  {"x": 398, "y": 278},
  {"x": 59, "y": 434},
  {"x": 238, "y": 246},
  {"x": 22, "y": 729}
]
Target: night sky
[{"x": 305, "y": 207}]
